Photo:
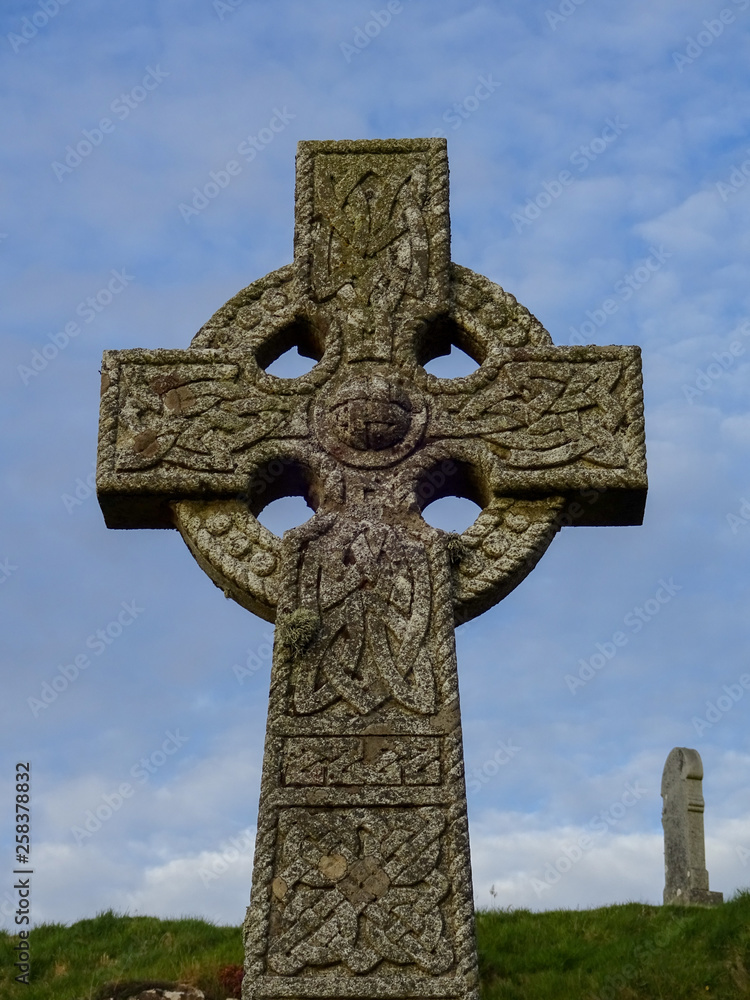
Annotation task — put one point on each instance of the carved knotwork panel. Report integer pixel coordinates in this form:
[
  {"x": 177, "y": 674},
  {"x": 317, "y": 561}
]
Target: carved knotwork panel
[
  {"x": 370, "y": 230},
  {"x": 391, "y": 760},
  {"x": 553, "y": 419},
  {"x": 359, "y": 889},
  {"x": 374, "y": 602},
  {"x": 198, "y": 414},
  {"x": 372, "y": 225},
  {"x": 542, "y": 414}
]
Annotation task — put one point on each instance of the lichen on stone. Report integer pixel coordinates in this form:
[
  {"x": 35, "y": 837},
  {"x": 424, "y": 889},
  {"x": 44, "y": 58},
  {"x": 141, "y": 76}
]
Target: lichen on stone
[
  {"x": 457, "y": 548},
  {"x": 296, "y": 631}
]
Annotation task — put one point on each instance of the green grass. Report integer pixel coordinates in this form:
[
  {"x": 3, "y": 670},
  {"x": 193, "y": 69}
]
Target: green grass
[
  {"x": 70, "y": 963},
  {"x": 628, "y": 952}
]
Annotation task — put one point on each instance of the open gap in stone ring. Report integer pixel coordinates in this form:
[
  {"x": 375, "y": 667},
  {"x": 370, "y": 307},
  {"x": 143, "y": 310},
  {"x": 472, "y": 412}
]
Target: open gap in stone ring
[
  {"x": 462, "y": 488},
  {"x": 282, "y": 493},
  {"x": 276, "y": 355},
  {"x": 445, "y": 349}
]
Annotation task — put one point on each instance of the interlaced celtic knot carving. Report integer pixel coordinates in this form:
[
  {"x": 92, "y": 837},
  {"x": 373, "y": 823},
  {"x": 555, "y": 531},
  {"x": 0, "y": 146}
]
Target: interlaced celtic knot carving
[
  {"x": 370, "y": 233},
  {"x": 374, "y": 605},
  {"x": 359, "y": 887},
  {"x": 541, "y": 415},
  {"x": 362, "y": 760}
]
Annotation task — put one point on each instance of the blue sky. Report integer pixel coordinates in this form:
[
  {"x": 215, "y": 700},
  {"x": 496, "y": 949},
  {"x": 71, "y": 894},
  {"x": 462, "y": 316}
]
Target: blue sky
[{"x": 600, "y": 171}]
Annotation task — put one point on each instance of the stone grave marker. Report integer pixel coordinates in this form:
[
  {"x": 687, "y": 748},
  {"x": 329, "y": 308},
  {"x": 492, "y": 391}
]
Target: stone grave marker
[
  {"x": 686, "y": 877},
  {"x": 362, "y": 882}
]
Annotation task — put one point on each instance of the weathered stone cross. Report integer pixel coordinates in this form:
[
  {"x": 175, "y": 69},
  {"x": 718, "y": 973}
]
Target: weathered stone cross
[{"x": 362, "y": 883}]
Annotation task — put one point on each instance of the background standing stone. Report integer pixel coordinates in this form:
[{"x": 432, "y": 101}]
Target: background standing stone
[{"x": 686, "y": 876}]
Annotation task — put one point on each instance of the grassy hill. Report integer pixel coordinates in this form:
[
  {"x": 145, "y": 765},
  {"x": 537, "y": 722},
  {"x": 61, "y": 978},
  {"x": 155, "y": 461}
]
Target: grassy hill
[{"x": 626, "y": 952}]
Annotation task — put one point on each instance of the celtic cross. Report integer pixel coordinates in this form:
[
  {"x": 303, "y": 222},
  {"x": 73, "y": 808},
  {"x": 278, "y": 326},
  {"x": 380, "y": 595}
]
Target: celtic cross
[{"x": 362, "y": 883}]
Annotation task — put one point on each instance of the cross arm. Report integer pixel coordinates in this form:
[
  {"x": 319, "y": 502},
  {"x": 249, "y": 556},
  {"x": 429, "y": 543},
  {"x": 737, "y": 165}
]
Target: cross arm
[
  {"x": 553, "y": 420},
  {"x": 186, "y": 425}
]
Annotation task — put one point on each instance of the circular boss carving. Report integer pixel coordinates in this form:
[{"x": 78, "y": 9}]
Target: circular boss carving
[{"x": 370, "y": 421}]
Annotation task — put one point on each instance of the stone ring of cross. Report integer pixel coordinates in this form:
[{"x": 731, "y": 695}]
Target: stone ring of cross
[{"x": 203, "y": 439}]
